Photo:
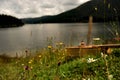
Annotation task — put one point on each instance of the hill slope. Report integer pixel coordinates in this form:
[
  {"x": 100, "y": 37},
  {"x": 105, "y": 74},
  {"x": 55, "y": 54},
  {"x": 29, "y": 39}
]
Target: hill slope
[
  {"x": 9, "y": 21},
  {"x": 101, "y": 10}
]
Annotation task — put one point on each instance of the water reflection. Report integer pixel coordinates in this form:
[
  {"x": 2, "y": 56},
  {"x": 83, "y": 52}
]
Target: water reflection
[{"x": 35, "y": 36}]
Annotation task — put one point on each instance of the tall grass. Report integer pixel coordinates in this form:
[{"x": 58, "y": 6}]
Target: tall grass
[{"x": 51, "y": 64}]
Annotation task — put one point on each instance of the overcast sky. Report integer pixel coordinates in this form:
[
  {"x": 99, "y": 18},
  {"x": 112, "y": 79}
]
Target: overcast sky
[{"x": 37, "y": 8}]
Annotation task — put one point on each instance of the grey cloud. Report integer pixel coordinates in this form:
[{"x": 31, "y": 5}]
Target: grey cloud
[
  {"x": 47, "y": 6},
  {"x": 28, "y": 8},
  {"x": 71, "y": 3}
]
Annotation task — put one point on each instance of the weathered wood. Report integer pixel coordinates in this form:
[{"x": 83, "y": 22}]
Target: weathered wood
[
  {"x": 73, "y": 51},
  {"x": 82, "y": 51},
  {"x": 89, "y": 29},
  {"x": 106, "y": 47},
  {"x": 90, "y": 50},
  {"x": 110, "y": 45}
]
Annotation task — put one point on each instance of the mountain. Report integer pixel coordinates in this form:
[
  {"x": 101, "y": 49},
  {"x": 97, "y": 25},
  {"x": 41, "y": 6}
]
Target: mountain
[
  {"x": 101, "y": 10},
  {"x": 9, "y": 21},
  {"x": 37, "y": 19}
]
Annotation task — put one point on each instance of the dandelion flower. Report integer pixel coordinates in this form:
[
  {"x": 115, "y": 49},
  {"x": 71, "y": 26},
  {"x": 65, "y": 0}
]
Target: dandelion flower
[
  {"x": 62, "y": 58},
  {"x": 31, "y": 67},
  {"x": 49, "y": 47},
  {"x": 29, "y": 62},
  {"x": 61, "y": 43},
  {"x": 96, "y": 39},
  {"x": 39, "y": 56},
  {"x": 65, "y": 50},
  {"x": 40, "y": 62},
  {"x": 22, "y": 64}
]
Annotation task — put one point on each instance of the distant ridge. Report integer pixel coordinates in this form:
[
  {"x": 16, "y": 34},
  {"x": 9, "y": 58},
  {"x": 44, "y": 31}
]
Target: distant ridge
[
  {"x": 9, "y": 21},
  {"x": 101, "y": 10}
]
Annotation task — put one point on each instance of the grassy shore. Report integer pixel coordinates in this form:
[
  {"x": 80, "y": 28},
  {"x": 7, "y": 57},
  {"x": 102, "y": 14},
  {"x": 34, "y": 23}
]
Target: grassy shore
[{"x": 52, "y": 64}]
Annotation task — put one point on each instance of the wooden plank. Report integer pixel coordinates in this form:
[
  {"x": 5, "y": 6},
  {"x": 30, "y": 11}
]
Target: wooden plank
[
  {"x": 82, "y": 51},
  {"x": 111, "y": 45},
  {"x": 89, "y": 50}
]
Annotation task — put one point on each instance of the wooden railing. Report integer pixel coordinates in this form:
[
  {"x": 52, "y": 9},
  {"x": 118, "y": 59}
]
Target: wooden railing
[{"x": 90, "y": 50}]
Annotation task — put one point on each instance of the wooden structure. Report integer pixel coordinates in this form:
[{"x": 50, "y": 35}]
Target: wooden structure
[
  {"x": 89, "y": 29},
  {"x": 89, "y": 50}
]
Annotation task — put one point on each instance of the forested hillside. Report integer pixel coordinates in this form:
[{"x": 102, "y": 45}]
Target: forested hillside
[{"x": 9, "y": 21}]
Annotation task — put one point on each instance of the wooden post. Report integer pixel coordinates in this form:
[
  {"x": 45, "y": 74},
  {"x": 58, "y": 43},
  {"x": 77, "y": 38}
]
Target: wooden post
[{"x": 89, "y": 29}]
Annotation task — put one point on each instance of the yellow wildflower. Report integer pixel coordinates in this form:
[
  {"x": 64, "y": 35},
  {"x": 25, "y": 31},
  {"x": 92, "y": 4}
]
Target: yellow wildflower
[
  {"x": 31, "y": 67},
  {"x": 65, "y": 50},
  {"x": 39, "y": 56},
  {"x": 40, "y": 62},
  {"x": 61, "y": 43},
  {"x": 49, "y": 47},
  {"x": 96, "y": 39},
  {"x": 62, "y": 58},
  {"x": 29, "y": 62}
]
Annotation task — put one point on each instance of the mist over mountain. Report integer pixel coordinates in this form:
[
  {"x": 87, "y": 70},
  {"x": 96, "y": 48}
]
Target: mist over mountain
[{"x": 101, "y": 10}]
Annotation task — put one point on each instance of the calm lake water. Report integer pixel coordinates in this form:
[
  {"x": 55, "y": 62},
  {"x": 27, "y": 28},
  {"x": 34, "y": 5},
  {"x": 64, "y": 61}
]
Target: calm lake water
[{"x": 34, "y": 36}]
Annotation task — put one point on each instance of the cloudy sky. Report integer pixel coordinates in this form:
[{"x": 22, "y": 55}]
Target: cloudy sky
[{"x": 35, "y": 8}]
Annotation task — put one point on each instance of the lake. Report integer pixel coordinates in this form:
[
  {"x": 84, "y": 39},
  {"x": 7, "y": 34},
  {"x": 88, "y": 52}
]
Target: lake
[{"x": 34, "y": 36}]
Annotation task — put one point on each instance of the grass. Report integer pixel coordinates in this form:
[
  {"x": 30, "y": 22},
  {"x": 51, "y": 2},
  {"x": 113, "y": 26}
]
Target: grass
[{"x": 51, "y": 64}]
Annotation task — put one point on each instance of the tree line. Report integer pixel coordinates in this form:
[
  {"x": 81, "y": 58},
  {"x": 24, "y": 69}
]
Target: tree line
[{"x": 9, "y": 21}]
